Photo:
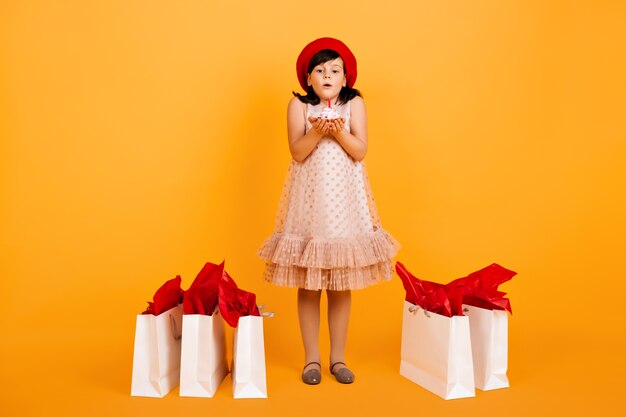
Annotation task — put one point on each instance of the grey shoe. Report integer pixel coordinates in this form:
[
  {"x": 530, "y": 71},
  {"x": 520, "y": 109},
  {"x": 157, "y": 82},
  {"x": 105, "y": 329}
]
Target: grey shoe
[
  {"x": 343, "y": 375},
  {"x": 313, "y": 376}
]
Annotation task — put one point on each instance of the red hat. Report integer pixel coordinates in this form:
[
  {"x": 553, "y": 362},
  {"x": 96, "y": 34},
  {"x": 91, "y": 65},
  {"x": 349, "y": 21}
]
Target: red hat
[{"x": 349, "y": 61}]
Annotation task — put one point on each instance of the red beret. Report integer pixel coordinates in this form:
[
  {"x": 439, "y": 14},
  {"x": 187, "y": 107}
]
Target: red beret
[{"x": 349, "y": 61}]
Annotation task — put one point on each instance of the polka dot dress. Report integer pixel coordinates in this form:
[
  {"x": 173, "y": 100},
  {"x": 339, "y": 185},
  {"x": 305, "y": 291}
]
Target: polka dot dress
[{"x": 327, "y": 233}]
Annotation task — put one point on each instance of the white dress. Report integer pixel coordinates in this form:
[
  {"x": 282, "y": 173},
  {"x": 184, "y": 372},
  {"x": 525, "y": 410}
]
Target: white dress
[{"x": 327, "y": 233}]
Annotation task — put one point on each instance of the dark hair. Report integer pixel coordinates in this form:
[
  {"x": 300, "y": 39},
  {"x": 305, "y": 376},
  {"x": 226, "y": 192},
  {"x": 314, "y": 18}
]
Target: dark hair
[{"x": 346, "y": 94}]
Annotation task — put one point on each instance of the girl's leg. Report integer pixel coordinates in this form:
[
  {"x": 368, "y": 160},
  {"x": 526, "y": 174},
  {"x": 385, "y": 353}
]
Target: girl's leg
[
  {"x": 338, "y": 316},
  {"x": 309, "y": 317}
]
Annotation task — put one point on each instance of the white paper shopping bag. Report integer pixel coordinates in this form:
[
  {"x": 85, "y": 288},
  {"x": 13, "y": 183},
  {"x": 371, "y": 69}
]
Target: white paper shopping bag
[
  {"x": 203, "y": 356},
  {"x": 156, "y": 359},
  {"x": 437, "y": 353},
  {"x": 489, "y": 333},
  {"x": 248, "y": 370}
]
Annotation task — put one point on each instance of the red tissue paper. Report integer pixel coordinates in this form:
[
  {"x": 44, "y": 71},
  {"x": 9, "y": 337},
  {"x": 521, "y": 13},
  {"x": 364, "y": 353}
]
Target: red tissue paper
[
  {"x": 478, "y": 289},
  {"x": 168, "y": 296},
  {"x": 428, "y": 295},
  {"x": 201, "y": 297},
  {"x": 235, "y": 302}
]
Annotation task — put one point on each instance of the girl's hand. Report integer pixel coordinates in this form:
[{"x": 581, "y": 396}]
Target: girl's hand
[
  {"x": 321, "y": 126},
  {"x": 336, "y": 126}
]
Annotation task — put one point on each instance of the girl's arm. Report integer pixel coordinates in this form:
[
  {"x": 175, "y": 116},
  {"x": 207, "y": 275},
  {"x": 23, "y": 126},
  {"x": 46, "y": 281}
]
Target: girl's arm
[
  {"x": 301, "y": 144},
  {"x": 355, "y": 141}
]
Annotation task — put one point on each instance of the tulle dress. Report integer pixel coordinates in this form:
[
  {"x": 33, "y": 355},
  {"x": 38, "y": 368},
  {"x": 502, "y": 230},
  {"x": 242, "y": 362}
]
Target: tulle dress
[{"x": 327, "y": 233}]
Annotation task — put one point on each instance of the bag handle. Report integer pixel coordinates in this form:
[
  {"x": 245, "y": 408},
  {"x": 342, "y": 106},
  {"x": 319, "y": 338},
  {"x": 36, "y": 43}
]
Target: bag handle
[
  {"x": 267, "y": 314},
  {"x": 415, "y": 309},
  {"x": 175, "y": 334}
]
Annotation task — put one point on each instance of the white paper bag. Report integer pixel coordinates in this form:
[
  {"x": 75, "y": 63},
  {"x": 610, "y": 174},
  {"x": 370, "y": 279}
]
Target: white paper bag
[
  {"x": 203, "y": 356},
  {"x": 489, "y": 333},
  {"x": 248, "y": 370},
  {"x": 156, "y": 359},
  {"x": 437, "y": 353}
]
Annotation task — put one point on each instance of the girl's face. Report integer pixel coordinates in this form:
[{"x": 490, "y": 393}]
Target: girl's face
[{"x": 327, "y": 79}]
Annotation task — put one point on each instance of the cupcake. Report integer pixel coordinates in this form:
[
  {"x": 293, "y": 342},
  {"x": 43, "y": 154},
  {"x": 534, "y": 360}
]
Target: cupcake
[{"x": 329, "y": 112}]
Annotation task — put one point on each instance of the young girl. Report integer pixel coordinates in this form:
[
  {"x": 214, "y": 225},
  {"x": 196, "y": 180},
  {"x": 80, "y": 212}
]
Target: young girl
[{"x": 327, "y": 234}]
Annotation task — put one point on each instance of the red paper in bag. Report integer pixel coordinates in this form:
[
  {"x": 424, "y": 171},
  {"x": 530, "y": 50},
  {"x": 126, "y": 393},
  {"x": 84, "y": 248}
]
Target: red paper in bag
[
  {"x": 480, "y": 288},
  {"x": 428, "y": 295},
  {"x": 166, "y": 297},
  {"x": 201, "y": 297},
  {"x": 234, "y": 302}
]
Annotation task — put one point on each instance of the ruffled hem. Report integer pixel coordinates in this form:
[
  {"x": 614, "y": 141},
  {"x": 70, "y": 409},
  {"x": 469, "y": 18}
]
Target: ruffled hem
[
  {"x": 360, "y": 251},
  {"x": 339, "y": 279}
]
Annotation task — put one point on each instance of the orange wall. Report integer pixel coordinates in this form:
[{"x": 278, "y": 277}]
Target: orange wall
[{"x": 142, "y": 139}]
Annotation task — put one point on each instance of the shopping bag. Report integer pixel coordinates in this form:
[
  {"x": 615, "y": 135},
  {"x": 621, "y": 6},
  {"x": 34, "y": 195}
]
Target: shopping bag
[
  {"x": 203, "y": 363},
  {"x": 248, "y": 369},
  {"x": 156, "y": 358},
  {"x": 203, "y": 353},
  {"x": 436, "y": 352},
  {"x": 489, "y": 335}
]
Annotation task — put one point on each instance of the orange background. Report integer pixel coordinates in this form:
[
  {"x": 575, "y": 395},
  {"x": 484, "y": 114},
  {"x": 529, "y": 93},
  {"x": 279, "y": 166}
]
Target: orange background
[{"x": 141, "y": 139}]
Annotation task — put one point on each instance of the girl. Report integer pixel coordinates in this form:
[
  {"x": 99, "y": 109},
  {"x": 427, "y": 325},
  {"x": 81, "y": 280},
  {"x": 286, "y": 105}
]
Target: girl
[{"x": 327, "y": 234}]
